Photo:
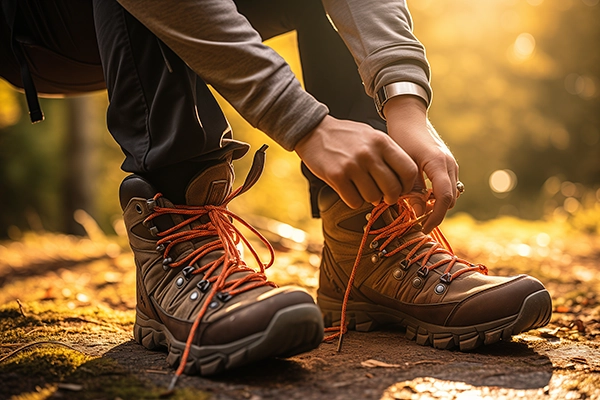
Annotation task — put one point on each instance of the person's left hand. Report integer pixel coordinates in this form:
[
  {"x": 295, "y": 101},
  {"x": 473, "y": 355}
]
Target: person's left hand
[{"x": 409, "y": 127}]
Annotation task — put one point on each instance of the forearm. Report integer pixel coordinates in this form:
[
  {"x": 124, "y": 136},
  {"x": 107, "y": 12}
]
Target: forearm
[
  {"x": 379, "y": 35},
  {"x": 221, "y": 46}
]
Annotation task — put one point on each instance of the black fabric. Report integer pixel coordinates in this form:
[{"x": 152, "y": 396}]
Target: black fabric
[
  {"x": 58, "y": 41},
  {"x": 9, "y": 9},
  {"x": 161, "y": 113}
]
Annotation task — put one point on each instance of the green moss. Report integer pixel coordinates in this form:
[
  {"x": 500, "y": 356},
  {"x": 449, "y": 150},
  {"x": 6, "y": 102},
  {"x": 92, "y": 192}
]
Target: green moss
[
  {"x": 53, "y": 320},
  {"x": 100, "y": 378},
  {"x": 49, "y": 362}
]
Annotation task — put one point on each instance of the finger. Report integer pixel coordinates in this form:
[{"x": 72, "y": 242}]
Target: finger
[
  {"x": 419, "y": 203},
  {"x": 444, "y": 193},
  {"x": 458, "y": 193},
  {"x": 348, "y": 193},
  {"x": 402, "y": 165},
  {"x": 367, "y": 187},
  {"x": 420, "y": 186},
  {"x": 387, "y": 182},
  {"x": 453, "y": 181},
  {"x": 435, "y": 218},
  {"x": 453, "y": 174}
]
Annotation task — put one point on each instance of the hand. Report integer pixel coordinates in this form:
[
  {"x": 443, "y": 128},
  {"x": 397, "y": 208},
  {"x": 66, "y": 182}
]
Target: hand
[
  {"x": 409, "y": 127},
  {"x": 360, "y": 163}
]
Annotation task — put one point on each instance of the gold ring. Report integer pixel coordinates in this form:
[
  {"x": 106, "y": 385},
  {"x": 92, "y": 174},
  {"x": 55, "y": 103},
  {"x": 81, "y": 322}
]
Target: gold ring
[{"x": 460, "y": 187}]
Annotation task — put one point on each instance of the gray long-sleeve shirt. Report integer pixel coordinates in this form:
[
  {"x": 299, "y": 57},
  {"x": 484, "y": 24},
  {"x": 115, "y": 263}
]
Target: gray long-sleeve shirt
[{"x": 221, "y": 46}]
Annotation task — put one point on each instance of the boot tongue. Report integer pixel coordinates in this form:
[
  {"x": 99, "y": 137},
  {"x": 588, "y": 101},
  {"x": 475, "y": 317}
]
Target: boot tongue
[{"x": 211, "y": 186}]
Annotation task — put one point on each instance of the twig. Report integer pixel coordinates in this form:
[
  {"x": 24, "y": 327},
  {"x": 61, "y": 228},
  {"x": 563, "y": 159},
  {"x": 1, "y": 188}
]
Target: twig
[
  {"x": 32, "y": 344},
  {"x": 157, "y": 371},
  {"x": 21, "y": 308}
]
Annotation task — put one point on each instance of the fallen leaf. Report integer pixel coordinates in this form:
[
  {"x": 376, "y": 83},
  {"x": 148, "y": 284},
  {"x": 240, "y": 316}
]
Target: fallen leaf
[
  {"x": 73, "y": 387},
  {"x": 378, "y": 364}
]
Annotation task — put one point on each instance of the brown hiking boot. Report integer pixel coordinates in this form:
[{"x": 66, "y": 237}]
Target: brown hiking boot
[
  {"x": 193, "y": 286},
  {"x": 403, "y": 277}
]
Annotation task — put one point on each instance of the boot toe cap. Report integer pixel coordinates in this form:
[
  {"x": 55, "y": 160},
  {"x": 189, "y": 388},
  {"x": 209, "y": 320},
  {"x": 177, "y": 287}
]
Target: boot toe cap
[
  {"x": 242, "y": 320},
  {"x": 497, "y": 302}
]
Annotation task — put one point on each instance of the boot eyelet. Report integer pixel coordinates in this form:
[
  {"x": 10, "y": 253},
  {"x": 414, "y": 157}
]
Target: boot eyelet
[
  {"x": 151, "y": 203},
  {"x": 374, "y": 244},
  {"x": 213, "y": 304},
  {"x": 167, "y": 261},
  {"x": 138, "y": 208},
  {"x": 203, "y": 285},
  {"x": 404, "y": 264},
  {"x": 440, "y": 288},
  {"x": 160, "y": 248},
  {"x": 375, "y": 258},
  {"x": 446, "y": 278},
  {"x": 417, "y": 283},
  {"x": 187, "y": 271},
  {"x": 179, "y": 281},
  {"x": 368, "y": 216},
  {"x": 224, "y": 296},
  {"x": 194, "y": 296},
  {"x": 398, "y": 273},
  {"x": 153, "y": 231},
  {"x": 423, "y": 272}
]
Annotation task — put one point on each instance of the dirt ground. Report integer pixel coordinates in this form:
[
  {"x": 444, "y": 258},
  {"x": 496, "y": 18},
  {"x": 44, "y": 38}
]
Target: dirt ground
[{"x": 71, "y": 301}]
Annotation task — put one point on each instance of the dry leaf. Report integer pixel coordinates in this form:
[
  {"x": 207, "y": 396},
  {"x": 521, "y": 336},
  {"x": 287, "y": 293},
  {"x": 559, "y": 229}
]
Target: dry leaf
[
  {"x": 378, "y": 364},
  {"x": 73, "y": 387}
]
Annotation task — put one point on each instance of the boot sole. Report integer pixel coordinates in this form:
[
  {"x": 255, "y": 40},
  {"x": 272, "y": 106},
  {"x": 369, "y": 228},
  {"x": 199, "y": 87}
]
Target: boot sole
[
  {"x": 293, "y": 330},
  {"x": 535, "y": 312}
]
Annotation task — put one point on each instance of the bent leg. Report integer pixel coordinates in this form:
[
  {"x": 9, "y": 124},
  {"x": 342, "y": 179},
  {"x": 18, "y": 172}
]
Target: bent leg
[{"x": 161, "y": 113}]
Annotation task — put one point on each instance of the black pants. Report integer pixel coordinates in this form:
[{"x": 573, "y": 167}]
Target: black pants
[{"x": 162, "y": 114}]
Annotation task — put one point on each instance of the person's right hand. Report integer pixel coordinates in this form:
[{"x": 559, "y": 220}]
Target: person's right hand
[{"x": 359, "y": 162}]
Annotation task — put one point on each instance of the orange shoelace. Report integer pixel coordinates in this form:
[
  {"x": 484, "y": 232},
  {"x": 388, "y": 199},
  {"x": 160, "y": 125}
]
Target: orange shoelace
[
  {"x": 219, "y": 225},
  {"x": 405, "y": 221}
]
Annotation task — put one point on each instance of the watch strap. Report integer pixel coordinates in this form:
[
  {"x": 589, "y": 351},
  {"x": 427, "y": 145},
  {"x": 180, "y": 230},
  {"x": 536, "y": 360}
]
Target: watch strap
[{"x": 398, "y": 89}]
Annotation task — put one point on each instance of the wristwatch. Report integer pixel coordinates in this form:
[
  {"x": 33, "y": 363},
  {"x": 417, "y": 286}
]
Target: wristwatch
[{"x": 398, "y": 89}]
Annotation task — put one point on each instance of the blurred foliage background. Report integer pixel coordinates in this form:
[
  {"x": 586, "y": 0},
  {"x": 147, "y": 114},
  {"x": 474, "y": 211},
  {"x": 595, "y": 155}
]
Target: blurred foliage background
[{"x": 516, "y": 97}]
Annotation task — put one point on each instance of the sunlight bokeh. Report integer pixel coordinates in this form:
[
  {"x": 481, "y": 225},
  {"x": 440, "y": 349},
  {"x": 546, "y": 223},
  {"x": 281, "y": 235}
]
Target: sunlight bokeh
[{"x": 516, "y": 97}]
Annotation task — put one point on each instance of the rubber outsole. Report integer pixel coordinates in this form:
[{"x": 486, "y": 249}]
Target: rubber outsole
[
  {"x": 292, "y": 330},
  {"x": 535, "y": 312}
]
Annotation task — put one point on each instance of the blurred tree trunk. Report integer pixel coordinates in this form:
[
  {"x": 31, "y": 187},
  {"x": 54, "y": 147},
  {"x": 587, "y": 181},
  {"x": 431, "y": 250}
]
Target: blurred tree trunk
[{"x": 80, "y": 166}]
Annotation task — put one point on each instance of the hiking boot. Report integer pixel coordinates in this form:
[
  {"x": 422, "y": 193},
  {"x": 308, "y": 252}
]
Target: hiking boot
[
  {"x": 193, "y": 286},
  {"x": 404, "y": 277}
]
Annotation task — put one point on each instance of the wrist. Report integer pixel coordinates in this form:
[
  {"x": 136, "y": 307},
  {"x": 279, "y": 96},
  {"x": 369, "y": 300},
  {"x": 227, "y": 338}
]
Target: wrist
[
  {"x": 304, "y": 142},
  {"x": 405, "y": 109}
]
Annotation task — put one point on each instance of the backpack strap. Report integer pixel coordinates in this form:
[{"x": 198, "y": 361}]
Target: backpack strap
[{"x": 9, "y": 8}]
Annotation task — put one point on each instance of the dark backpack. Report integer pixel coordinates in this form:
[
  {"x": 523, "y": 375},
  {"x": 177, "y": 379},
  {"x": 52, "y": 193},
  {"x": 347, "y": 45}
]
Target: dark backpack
[{"x": 49, "y": 47}]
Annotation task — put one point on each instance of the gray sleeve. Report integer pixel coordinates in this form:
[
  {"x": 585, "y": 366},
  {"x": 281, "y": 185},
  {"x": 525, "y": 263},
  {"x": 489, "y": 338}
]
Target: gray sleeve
[
  {"x": 221, "y": 46},
  {"x": 379, "y": 36}
]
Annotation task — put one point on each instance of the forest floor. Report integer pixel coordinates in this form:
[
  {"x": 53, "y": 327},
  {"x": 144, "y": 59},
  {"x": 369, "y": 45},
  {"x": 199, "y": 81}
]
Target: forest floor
[{"x": 67, "y": 311}]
